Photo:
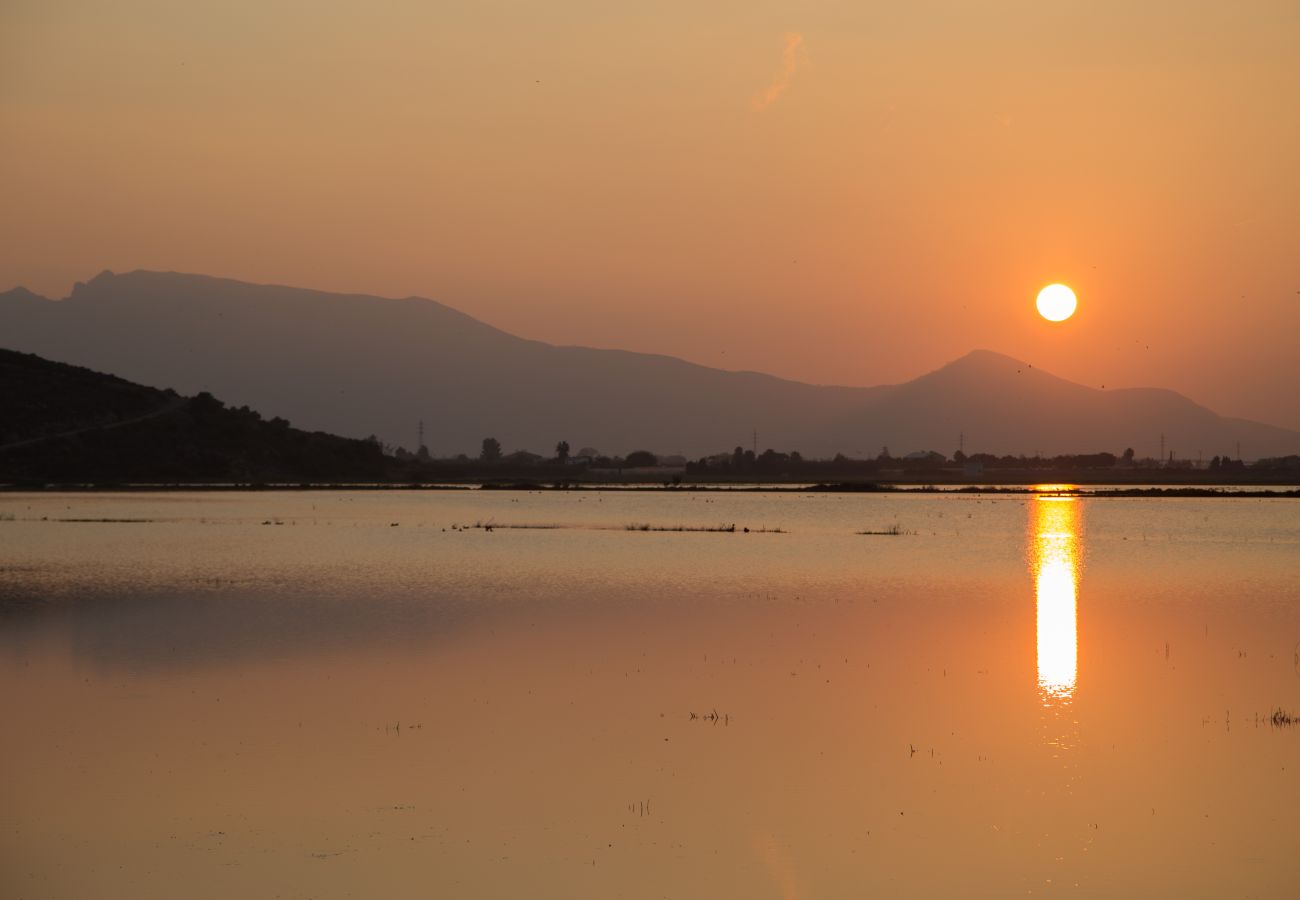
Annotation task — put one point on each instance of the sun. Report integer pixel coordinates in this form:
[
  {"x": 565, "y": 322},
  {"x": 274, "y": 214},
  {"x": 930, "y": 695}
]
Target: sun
[{"x": 1056, "y": 303}]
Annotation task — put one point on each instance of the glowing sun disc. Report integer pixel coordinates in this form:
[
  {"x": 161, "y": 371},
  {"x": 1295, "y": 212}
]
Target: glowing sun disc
[{"x": 1056, "y": 303}]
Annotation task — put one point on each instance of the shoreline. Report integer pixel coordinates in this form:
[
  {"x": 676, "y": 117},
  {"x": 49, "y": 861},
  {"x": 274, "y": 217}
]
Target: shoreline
[{"x": 1073, "y": 489}]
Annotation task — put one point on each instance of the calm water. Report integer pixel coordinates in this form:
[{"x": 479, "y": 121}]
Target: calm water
[{"x": 341, "y": 695}]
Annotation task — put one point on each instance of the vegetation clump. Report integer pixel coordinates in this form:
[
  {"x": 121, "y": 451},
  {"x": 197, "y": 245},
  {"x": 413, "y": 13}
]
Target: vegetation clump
[{"x": 892, "y": 530}]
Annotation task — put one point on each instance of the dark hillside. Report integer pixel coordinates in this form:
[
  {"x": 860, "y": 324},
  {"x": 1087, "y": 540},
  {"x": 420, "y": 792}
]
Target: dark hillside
[
  {"x": 39, "y": 398},
  {"x": 65, "y": 423}
]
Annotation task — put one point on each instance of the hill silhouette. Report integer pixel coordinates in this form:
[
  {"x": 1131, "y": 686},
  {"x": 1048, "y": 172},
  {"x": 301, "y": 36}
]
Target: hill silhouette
[
  {"x": 65, "y": 423},
  {"x": 361, "y": 365}
]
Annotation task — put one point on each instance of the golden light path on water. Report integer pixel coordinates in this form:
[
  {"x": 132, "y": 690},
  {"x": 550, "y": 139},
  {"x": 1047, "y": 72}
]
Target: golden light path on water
[{"x": 1055, "y": 523}]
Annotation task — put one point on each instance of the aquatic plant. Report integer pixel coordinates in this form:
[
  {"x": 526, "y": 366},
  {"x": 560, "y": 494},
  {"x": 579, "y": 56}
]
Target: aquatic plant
[
  {"x": 894, "y": 529},
  {"x": 646, "y": 526}
]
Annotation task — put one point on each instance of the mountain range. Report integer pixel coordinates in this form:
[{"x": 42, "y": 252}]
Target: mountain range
[{"x": 359, "y": 365}]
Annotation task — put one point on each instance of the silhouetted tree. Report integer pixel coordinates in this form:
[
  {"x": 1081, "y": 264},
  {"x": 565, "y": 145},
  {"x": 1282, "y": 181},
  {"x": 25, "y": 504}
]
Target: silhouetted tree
[
  {"x": 959, "y": 457},
  {"x": 884, "y": 454},
  {"x": 738, "y": 458},
  {"x": 640, "y": 458},
  {"x": 491, "y": 451},
  {"x": 203, "y": 402},
  {"x": 562, "y": 451},
  {"x": 1128, "y": 456}
]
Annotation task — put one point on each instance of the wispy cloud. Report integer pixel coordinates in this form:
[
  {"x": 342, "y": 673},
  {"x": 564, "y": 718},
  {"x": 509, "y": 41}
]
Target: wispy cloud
[{"x": 792, "y": 56}]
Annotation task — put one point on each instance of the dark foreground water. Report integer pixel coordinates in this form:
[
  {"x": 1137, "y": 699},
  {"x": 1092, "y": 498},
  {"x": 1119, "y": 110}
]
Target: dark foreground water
[{"x": 348, "y": 695}]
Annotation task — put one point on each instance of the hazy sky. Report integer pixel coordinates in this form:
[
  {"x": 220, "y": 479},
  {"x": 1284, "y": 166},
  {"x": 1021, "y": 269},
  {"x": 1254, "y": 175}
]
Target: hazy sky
[{"x": 840, "y": 192}]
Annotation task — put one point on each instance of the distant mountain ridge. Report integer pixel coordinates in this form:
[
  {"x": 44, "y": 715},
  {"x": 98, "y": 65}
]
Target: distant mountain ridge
[{"x": 359, "y": 365}]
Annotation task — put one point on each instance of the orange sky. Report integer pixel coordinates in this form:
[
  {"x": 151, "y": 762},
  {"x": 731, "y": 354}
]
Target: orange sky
[{"x": 846, "y": 192}]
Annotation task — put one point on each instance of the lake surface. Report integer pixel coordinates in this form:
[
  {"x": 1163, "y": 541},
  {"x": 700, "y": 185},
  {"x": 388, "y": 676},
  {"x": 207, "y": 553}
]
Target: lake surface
[{"x": 350, "y": 695}]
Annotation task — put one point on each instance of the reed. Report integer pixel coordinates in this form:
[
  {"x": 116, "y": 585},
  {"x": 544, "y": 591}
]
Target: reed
[{"x": 894, "y": 530}]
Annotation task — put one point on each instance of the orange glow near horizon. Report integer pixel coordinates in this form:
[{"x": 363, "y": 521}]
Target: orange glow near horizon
[
  {"x": 892, "y": 184},
  {"x": 1055, "y": 527}
]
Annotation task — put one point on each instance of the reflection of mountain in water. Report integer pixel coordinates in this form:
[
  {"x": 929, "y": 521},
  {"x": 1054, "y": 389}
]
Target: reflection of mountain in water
[{"x": 132, "y": 628}]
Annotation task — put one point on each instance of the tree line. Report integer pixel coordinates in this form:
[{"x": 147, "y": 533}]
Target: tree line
[{"x": 771, "y": 462}]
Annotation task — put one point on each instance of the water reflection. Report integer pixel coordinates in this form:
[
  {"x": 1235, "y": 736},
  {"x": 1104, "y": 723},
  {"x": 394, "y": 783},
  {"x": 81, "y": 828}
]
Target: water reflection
[{"x": 1055, "y": 528}]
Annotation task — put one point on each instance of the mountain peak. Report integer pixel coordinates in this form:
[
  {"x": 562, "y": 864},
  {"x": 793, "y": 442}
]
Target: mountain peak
[
  {"x": 984, "y": 358},
  {"x": 19, "y": 294},
  {"x": 984, "y": 365}
]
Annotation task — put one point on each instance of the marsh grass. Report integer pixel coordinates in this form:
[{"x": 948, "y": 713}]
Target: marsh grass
[
  {"x": 723, "y": 529},
  {"x": 646, "y": 526},
  {"x": 631, "y": 526},
  {"x": 515, "y": 526},
  {"x": 893, "y": 530}
]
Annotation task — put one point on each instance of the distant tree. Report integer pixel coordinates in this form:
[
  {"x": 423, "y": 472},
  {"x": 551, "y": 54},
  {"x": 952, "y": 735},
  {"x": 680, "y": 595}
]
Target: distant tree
[
  {"x": 1128, "y": 456},
  {"x": 562, "y": 451},
  {"x": 422, "y": 454},
  {"x": 884, "y": 454},
  {"x": 491, "y": 451},
  {"x": 796, "y": 457},
  {"x": 738, "y": 458},
  {"x": 749, "y": 459},
  {"x": 1214, "y": 464},
  {"x": 959, "y": 457},
  {"x": 203, "y": 402},
  {"x": 641, "y": 458}
]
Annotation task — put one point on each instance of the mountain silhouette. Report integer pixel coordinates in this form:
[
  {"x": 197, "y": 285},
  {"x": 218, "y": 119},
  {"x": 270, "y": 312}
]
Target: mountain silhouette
[{"x": 359, "y": 365}]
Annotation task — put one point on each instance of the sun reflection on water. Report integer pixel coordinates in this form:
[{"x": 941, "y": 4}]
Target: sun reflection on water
[{"x": 1055, "y": 528}]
